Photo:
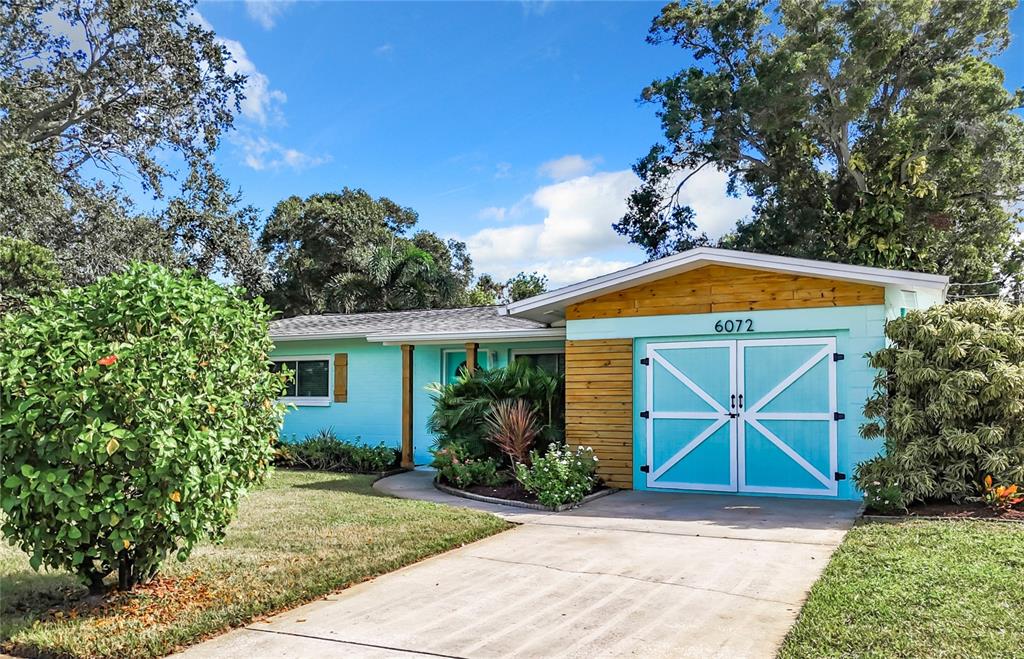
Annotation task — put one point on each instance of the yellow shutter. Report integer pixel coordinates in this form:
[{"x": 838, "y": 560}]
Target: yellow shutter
[{"x": 340, "y": 377}]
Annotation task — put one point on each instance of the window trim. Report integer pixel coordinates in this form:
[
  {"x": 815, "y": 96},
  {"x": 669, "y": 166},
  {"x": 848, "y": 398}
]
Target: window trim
[
  {"x": 309, "y": 401},
  {"x": 492, "y": 359}
]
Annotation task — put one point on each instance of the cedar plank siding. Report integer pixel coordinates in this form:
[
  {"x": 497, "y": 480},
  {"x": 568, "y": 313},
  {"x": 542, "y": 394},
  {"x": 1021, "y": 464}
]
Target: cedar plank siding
[
  {"x": 599, "y": 404},
  {"x": 717, "y": 288}
]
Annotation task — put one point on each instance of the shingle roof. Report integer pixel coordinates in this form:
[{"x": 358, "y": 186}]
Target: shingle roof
[{"x": 425, "y": 321}]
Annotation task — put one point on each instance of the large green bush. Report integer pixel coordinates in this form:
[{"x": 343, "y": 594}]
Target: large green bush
[
  {"x": 462, "y": 407},
  {"x": 135, "y": 414},
  {"x": 949, "y": 401}
]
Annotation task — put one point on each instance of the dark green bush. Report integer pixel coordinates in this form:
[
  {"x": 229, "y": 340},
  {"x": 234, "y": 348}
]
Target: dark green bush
[
  {"x": 461, "y": 408},
  {"x": 135, "y": 413},
  {"x": 457, "y": 468},
  {"x": 323, "y": 451},
  {"x": 27, "y": 271},
  {"x": 948, "y": 401}
]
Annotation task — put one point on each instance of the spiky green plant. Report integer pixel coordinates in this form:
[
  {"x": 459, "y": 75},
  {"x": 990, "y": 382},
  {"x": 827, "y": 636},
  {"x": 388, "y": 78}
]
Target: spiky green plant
[
  {"x": 948, "y": 401},
  {"x": 461, "y": 408}
]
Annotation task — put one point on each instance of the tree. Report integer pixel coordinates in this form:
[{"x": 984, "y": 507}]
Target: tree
[
  {"x": 866, "y": 132},
  {"x": 95, "y": 91},
  {"x": 27, "y": 272},
  {"x": 523, "y": 286},
  {"x": 134, "y": 414},
  {"x": 349, "y": 252}
]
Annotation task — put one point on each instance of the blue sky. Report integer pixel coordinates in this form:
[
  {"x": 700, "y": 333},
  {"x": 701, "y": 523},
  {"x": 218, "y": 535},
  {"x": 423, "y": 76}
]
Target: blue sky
[{"x": 511, "y": 126}]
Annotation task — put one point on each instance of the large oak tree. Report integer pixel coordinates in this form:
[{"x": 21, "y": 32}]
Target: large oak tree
[{"x": 877, "y": 133}]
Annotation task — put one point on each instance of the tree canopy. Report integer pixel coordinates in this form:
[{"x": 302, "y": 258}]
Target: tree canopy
[
  {"x": 348, "y": 251},
  {"x": 872, "y": 133},
  {"x": 93, "y": 91}
]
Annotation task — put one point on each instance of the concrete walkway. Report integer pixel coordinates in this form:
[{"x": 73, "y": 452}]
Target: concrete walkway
[{"x": 632, "y": 574}]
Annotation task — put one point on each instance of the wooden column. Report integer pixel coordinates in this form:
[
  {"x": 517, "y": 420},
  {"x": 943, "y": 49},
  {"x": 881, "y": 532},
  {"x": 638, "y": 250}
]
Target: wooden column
[
  {"x": 471, "y": 358},
  {"x": 407, "y": 390}
]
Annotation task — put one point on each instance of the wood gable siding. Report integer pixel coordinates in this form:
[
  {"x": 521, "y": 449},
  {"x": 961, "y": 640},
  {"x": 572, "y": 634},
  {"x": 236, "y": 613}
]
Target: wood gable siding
[
  {"x": 599, "y": 404},
  {"x": 717, "y": 288}
]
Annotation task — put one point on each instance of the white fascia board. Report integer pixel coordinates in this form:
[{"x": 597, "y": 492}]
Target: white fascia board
[
  {"x": 695, "y": 258},
  {"x": 487, "y": 336},
  {"x": 318, "y": 337}
]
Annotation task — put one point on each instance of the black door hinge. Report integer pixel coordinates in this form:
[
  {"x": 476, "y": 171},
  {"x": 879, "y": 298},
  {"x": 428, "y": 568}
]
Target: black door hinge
[
  {"x": 645, "y": 415},
  {"x": 838, "y": 416},
  {"x": 838, "y": 356},
  {"x": 645, "y": 361},
  {"x": 646, "y": 469},
  {"x": 839, "y": 476}
]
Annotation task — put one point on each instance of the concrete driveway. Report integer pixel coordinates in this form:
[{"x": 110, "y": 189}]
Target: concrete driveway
[{"x": 632, "y": 574}]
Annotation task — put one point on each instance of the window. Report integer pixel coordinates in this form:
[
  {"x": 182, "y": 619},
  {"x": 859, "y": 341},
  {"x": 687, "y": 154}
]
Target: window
[
  {"x": 551, "y": 360},
  {"x": 310, "y": 382},
  {"x": 455, "y": 362}
]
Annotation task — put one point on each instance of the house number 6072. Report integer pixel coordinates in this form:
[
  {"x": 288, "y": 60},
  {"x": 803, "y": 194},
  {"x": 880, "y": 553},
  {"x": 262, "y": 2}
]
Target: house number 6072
[{"x": 738, "y": 325}]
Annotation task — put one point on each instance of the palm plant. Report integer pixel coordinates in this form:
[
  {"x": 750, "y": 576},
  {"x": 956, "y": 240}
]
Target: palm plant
[
  {"x": 512, "y": 427},
  {"x": 461, "y": 408}
]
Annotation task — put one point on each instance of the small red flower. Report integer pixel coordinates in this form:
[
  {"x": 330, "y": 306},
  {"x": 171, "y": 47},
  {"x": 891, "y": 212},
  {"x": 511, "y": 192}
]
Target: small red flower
[{"x": 107, "y": 361}]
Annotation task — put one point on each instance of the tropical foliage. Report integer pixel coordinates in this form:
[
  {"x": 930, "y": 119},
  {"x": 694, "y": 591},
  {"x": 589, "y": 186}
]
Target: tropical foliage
[
  {"x": 519, "y": 287},
  {"x": 462, "y": 407},
  {"x": 875, "y": 133},
  {"x": 348, "y": 251},
  {"x": 560, "y": 476},
  {"x": 134, "y": 414},
  {"x": 27, "y": 271},
  {"x": 512, "y": 427},
  {"x": 948, "y": 401},
  {"x": 323, "y": 451}
]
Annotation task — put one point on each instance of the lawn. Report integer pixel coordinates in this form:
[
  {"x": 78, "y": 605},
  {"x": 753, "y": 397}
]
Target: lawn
[
  {"x": 301, "y": 536},
  {"x": 918, "y": 589}
]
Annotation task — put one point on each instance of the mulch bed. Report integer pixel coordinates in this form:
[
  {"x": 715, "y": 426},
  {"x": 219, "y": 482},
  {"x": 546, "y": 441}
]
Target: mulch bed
[
  {"x": 957, "y": 511},
  {"x": 513, "y": 491}
]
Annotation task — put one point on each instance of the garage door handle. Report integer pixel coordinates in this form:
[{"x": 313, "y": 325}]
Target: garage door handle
[
  {"x": 732, "y": 401},
  {"x": 741, "y": 401}
]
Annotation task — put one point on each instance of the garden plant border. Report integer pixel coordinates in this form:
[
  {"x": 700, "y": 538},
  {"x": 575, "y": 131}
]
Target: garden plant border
[{"x": 447, "y": 489}]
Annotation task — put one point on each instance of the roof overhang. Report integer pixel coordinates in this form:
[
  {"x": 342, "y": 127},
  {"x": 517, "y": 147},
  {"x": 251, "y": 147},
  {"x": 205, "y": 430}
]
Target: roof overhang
[
  {"x": 549, "y": 307},
  {"x": 318, "y": 337},
  {"x": 490, "y": 336}
]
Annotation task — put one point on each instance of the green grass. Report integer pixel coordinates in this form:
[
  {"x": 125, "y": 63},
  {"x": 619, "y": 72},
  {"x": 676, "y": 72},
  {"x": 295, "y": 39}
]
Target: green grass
[
  {"x": 918, "y": 589},
  {"x": 301, "y": 536}
]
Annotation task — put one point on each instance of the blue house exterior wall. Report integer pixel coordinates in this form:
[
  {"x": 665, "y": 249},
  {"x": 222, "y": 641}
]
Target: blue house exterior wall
[
  {"x": 373, "y": 412},
  {"x": 858, "y": 330}
]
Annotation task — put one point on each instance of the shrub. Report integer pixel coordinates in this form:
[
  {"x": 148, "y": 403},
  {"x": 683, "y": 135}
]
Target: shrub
[
  {"x": 512, "y": 427},
  {"x": 883, "y": 498},
  {"x": 27, "y": 271},
  {"x": 323, "y": 451},
  {"x": 560, "y": 476},
  {"x": 1000, "y": 498},
  {"x": 457, "y": 467},
  {"x": 948, "y": 401},
  {"x": 135, "y": 414},
  {"x": 461, "y": 408}
]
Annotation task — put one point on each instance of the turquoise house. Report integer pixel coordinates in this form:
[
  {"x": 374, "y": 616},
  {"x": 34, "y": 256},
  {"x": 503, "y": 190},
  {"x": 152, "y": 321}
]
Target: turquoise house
[{"x": 707, "y": 371}]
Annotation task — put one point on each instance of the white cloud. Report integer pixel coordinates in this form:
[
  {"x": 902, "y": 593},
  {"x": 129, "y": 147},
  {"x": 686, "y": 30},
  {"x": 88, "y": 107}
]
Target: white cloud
[
  {"x": 568, "y": 167},
  {"x": 493, "y": 213},
  {"x": 265, "y": 12},
  {"x": 261, "y": 104},
  {"x": 262, "y": 154},
  {"x": 575, "y": 239},
  {"x": 384, "y": 50}
]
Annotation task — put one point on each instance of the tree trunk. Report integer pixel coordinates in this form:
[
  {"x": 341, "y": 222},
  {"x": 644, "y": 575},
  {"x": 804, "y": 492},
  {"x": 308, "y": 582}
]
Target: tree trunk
[{"x": 126, "y": 577}]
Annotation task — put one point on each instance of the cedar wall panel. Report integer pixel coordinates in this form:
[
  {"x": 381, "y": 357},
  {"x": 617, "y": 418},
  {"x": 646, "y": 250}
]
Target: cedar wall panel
[
  {"x": 722, "y": 288},
  {"x": 599, "y": 404}
]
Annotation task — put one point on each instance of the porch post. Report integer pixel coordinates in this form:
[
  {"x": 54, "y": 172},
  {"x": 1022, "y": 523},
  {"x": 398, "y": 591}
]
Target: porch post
[
  {"x": 471, "y": 358},
  {"x": 407, "y": 390}
]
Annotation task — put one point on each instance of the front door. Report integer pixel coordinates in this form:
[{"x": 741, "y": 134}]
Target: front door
[{"x": 748, "y": 416}]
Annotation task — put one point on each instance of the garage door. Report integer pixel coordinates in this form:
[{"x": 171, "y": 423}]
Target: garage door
[{"x": 746, "y": 416}]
